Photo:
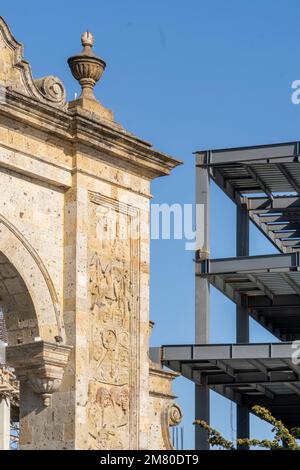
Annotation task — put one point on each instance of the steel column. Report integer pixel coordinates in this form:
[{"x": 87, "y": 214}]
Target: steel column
[
  {"x": 202, "y": 313},
  {"x": 242, "y": 316}
]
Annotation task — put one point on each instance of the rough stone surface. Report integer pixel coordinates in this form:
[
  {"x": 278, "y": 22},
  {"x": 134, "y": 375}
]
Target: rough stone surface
[{"x": 74, "y": 268}]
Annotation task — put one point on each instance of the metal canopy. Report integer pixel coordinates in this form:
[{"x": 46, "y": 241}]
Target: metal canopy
[
  {"x": 272, "y": 172},
  {"x": 248, "y": 374},
  {"x": 268, "y": 285}
]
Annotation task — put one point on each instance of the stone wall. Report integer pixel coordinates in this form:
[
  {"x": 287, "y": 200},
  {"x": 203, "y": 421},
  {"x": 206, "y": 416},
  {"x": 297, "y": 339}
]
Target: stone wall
[{"x": 74, "y": 263}]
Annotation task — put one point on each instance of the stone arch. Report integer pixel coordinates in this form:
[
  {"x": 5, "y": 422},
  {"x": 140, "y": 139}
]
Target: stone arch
[{"x": 27, "y": 295}]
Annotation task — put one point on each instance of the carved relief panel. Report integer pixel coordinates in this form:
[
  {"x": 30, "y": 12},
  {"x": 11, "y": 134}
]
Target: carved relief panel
[{"x": 114, "y": 324}]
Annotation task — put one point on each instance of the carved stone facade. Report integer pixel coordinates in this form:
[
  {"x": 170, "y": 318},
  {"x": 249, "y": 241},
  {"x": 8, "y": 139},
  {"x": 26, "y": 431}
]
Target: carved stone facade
[
  {"x": 74, "y": 263},
  {"x": 114, "y": 323}
]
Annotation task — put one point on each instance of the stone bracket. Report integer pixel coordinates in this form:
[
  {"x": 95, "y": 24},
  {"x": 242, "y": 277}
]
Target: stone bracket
[
  {"x": 40, "y": 364},
  {"x": 171, "y": 416}
]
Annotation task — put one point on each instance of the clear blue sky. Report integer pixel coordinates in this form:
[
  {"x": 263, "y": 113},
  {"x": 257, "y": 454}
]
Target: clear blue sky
[{"x": 185, "y": 76}]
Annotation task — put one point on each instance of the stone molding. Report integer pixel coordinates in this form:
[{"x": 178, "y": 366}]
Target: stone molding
[{"x": 80, "y": 127}]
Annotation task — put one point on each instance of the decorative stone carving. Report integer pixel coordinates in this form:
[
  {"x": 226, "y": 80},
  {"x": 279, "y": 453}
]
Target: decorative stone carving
[
  {"x": 15, "y": 73},
  {"x": 113, "y": 326},
  {"x": 41, "y": 365},
  {"x": 174, "y": 414},
  {"x": 44, "y": 387},
  {"x": 51, "y": 88},
  {"x": 171, "y": 416},
  {"x": 164, "y": 412},
  {"x": 88, "y": 68}
]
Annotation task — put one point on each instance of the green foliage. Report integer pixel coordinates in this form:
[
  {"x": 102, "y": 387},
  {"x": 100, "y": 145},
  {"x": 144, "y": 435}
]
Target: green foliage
[
  {"x": 214, "y": 437},
  {"x": 284, "y": 439}
]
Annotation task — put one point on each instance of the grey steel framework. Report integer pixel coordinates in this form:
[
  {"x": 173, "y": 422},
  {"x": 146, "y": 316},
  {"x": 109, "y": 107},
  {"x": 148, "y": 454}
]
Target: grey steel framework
[
  {"x": 264, "y": 183},
  {"x": 249, "y": 374},
  {"x": 269, "y": 171},
  {"x": 269, "y": 285}
]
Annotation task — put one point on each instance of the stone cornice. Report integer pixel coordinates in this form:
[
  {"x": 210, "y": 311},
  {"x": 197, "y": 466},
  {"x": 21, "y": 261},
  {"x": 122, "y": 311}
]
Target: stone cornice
[
  {"x": 35, "y": 114},
  {"x": 86, "y": 129},
  {"x": 156, "y": 370},
  {"x": 155, "y": 394}
]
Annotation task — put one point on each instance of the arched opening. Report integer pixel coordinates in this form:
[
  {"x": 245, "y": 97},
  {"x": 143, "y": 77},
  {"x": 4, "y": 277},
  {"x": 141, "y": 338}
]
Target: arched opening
[
  {"x": 26, "y": 285},
  {"x": 18, "y": 325},
  {"x": 20, "y": 322},
  {"x": 30, "y": 314}
]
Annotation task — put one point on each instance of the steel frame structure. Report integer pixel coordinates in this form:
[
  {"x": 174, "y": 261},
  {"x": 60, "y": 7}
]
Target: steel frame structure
[
  {"x": 264, "y": 183},
  {"x": 249, "y": 374}
]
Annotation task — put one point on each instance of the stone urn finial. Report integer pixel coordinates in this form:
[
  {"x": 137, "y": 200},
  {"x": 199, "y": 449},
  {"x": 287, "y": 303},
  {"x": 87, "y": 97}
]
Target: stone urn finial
[{"x": 88, "y": 68}]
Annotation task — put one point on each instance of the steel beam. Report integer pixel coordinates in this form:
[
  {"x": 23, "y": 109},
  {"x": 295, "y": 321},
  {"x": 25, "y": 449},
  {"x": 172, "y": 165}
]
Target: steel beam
[
  {"x": 261, "y": 286},
  {"x": 285, "y": 217},
  {"x": 291, "y": 243},
  {"x": 293, "y": 367},
  {"x": 267, "y": 263},
  {"x": 294, "y": 388},
  {"x": 289, "y": 177},
  {"x": 264, "y": 391},
  {"x": 283, "y": 153},
  {"x": 213, "y": 352},
  {"x": 256, "y": 377},
  {"x": 261, "y": 184},
  {"x": 289, "y": 226},
  {"x": 259, "y": 366},
  {"x": 284, "y": 235},
  {"x": 290, "y": 281},
  {"x": 280, "y": 301},
  {"x": 278, "y": 203},
  {"x": 264, "y": 229}
]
